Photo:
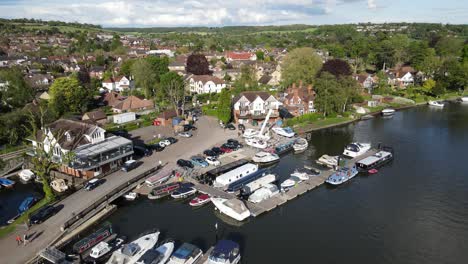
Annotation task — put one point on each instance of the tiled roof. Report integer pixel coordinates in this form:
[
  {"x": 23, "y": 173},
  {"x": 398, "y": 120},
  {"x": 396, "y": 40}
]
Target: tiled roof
[
  {"x": 252, "y": 95},
  {"x": 239, "y": 55},
  {"x": 206, "y": 78},
  {"x": 133, "y": 102}
]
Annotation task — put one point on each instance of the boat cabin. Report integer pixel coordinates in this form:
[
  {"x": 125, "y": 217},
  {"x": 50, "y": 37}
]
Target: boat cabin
[
  {"x": 235, "y": 175},
  {"x": 374, "y": 161}
]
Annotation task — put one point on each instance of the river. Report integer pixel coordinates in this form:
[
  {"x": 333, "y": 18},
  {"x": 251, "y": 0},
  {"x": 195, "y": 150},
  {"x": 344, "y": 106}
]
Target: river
[{"x": 415, "y": 210}]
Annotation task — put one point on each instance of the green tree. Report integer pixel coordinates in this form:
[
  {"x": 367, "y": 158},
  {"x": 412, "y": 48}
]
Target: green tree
[
  {"x": 126, "y": 68},
  {"x": 173, "y": 88},
  {"x": 224, "y": 106},
  {"x": 67, "y": 95},
  {"x": 17, "y": 92},
  {"x": 246, "y": 81},
  {"x": 145, "y": 77},
  {"x": 300, "y": 64},
  {"x": 327, "y": 91},
  {"x": 428, "y": 85},
  {"x": 260, "y": 55},
  {"x": 12, "y": 130}
]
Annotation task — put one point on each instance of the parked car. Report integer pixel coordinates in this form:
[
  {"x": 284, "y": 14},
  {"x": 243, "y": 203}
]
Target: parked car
[
  {"x": 213, "y": 161},
  {"x": 157, "y": 147},
  {"x": 92, "y": 184},
  {"x": 164, "y": 143},
  {"x": 129, "y": 165},
  {"x": 233, "y": 147},
  {"x": 42, "y": 214},
  {"x": 210, "y": 153},
  {"x": 189, "y": 127},
  {"x": 199, "y": 161},
  {"x": 218, "y": 151},
  {"x": 233, "y": 141},
  {"x": 142, "y": 150},
  {"x": 230, "y": 126},
  {"x": 185, "y": 163},
  {"x": 121, "y": 133},
  {"x": 241, "y": 127},
  {"x": 172, "y": 140},
  {"x": 226, "y": 149},
  {"x": 185, "y": 134}
]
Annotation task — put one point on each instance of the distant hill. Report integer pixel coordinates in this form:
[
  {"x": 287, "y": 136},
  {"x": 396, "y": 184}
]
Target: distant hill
[{"x": 35, "y": 25}]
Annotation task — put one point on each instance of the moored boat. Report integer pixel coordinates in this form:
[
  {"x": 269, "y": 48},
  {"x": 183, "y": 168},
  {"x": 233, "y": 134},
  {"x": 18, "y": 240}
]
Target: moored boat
[
  {"x": 436, "y": 104},
  {"x": 183, "y": 192},
  {"x": 161, "y": 176},
  {"x": 93, "y": 239},
  {"x": 160, "y": 255},
  {"x": 103, "y": 250},
  {"x": 258, "y": 183},
  {"x": 59, "y": 185},
  {"x": 7, "y": 183},
  {"x": 356, "y": 149},
  {"x": 290, "y": 183},
  {"x": 388, "y": 112},
  {"x": 163, "y": 190},
  {"x": 256, "y": 143},
  {"x": 186, "y": 254},
  {"x": 132, "y": 252},
  {"x": 200, "y": 200},
  {"x": 302, "y": 174},
  {"x": 233, "y": 208},
  {"x": 464, "y": 99},
  {"x": 264, "y": 157},
  {"x": 27, "y": 203},
  {"x": 328, "y": 161},
  {"x": 375, "y": 161},
  {"x": 342, "y": 175},
  {"x": 265, "y": 192},
  {"x": 26, "y": 175},
  {"x": 300, "y": 144},
  {"x": 131, "y": 196},
  {"x": 285, "y": 132},
  {"x": 234, "y": 175},
  {"x": 313, "y": 171},
  {"x": 225, "y": 252},
  {"x": 284, "y": 148}
]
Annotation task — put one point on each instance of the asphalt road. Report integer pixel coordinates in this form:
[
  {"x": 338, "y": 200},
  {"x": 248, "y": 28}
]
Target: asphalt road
[{"x": 208, "y": 134}]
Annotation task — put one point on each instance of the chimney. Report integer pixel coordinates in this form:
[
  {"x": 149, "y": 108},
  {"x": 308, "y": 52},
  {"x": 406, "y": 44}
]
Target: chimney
[
  {"x": 300, "y": 83},
  {"x": 294, "y": 86},
  {"x": 309, "y": 89}
]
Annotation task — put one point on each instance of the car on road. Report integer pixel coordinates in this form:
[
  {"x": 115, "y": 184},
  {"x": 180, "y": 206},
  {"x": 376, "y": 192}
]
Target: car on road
[
  {"x": 164, "y": 143},
  {"x": 92, "y": 184},
  {"x": 185, "y": 134},
  {"x": 230, "y": 126},
  {"x": 189, "y": 127},
  {"x": 213, "y": 161},
  {"x": 172, "y": 140},
  {"x": 218, "y": 151},
  {"x": 42, "y": 214},
  {"x": 226, "y": 149},
  {"x": 157, "y": 147},
  {"x": 199, "y": 161},
  {"x": 142, "y": 151},
  {"x": 129, "y": 165},
  {"x": 210, "y": 153},
  {"x": 185, "y": 164}
]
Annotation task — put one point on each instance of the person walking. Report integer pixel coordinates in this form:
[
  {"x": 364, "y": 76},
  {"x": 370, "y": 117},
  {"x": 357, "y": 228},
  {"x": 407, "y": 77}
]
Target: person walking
[
  {"x": 18, "y": 240},
  {"x": 25, "y": 239}
]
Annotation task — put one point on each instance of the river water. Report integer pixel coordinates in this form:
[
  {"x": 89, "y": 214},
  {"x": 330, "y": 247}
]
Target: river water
[{"x": 415, "y": 210}]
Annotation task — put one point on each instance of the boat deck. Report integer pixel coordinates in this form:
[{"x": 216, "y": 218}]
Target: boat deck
[{"x": 204, "y": 258}]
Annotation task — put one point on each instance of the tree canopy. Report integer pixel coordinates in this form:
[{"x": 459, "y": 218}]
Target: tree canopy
[
  {"x": 198, "y": 64},
  {"x": 16, "y": 92},
  {"x": 337, "y": 67},
  {"x": 67, "y": 95},
  {"x": 300, "y": 64}
]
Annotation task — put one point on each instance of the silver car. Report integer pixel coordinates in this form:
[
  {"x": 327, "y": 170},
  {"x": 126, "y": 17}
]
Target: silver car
[{"x": 185, "y": 134}]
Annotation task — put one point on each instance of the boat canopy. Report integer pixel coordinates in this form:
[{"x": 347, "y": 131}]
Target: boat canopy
[
  {"x": 225, "y": 249},
  {"x": 186, "y": 251},
  {"x": 374, "y": 158},
  {"x": 130, "y": 249}
]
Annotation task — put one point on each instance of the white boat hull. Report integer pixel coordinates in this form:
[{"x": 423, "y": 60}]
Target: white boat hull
[
  {"x": 464, "y": 99},
  {"x": 435, "y": 104},
  {"x": 144, "y": 243},
  {"x": 220, "y": 205},
  {"x": 363, "y": 148},
  {"x": 388, "y": 112}
]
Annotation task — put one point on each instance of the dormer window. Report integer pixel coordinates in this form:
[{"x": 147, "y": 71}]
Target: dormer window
[{"x": 68, "y": 135}]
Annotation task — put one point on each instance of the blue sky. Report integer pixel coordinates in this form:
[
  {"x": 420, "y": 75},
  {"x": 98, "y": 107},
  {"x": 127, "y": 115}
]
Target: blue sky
[{"x": 146, "y": 13}]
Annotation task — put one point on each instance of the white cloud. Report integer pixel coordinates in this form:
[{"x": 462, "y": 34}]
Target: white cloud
[{"x": 371, "y": 4}]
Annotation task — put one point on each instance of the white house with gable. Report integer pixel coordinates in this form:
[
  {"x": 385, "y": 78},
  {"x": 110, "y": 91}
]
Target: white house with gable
[
  {"x": 202, "y": 84},
  {"x": 118, "y": 84}
]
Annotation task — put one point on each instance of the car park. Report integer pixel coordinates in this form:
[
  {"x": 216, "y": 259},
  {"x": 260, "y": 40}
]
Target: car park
[
  {"x": 213, "y": 161},
  {"x": 210, "y": 153},
  {"x": 185, "y": 164},
  {"x": 92, "y": 184},
  {"x": 129, "y": 165},
  {"x": 199, "y": 161},
  {"x": 230, "y": 146},
  {"x": 42, "y": 214},
  {"x": 185, "y": 134}
]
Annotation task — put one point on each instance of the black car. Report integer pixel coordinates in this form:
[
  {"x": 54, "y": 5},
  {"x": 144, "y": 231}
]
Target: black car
[
  {"x": 189, "y": 127},
  {"x": 42, "y": 214},
  {"x": 121, "y": 133},
  {"x": 172, "y": 140},
  {"x": 234, "y": 147},
  {"x": 142, "y": 151},
  {"x": 233, "y": 141},
  {"x": 185, "y": 163},
  {"x": 210, "y": 153},
  {"x": 218, "y": 151},
  {"x": 92, "y": 184},
  {"x": 230, "y": 126},
  {"x": 157, "y": 147}
]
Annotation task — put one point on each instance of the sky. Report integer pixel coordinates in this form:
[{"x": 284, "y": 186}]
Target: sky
[{"x": 172, "y": 13}]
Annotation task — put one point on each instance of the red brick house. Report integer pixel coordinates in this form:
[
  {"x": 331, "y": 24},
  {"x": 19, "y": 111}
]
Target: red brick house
[{"x": 299, "y": 100}]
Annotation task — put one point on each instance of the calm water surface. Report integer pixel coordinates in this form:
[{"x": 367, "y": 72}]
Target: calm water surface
[{"x": 415, "y": 210}]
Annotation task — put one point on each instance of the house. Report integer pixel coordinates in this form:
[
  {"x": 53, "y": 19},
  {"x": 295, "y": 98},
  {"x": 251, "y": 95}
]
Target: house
[
  {"x": 159, "y": 52},
  {"x": 132, "y": 104},
  {"x": 202, "y": 84},
  {"x": 119, "y": 84},
  {"x": 178, "y": 64},
  {"x": 240, "y": 56},
  {"x": 165, "y": 118},
  {"x": 366, "y": 81},
  {"x": 40, "y": 81},
  {"x": 299, "y": 100},
  {"x": 252, "y": 107},
  {"x": 112, "y": 98},
  {"x": 95, "y": 117},
  {"x": 82, "y": 148},
  {"x": 97, "y": 72},
  {"x": 401, "y": 76}
]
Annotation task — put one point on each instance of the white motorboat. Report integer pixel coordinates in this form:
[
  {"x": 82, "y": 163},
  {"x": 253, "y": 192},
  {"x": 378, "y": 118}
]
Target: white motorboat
[
  {"x": 464, "y": 99},
  {"x": 132, "y": 252},
  {"x": 59, "y": 185},
  {"x": 258, "y": 183},
  {"x": 233, "y": 208},
  {"x": 342, "y": 175},
  {"x": 388, "y": 111},
  {"x": 186, "y": 254},
  {"x": 300, "y": 144},
  {"x": 250, "y": 133},
  {"x": 328, "y": 161},
  {"x": 131, "y": 196},
  {"x": 265, "y": 157},
  {"x": 289, "y": 183},
  {"x": 26, "y": 175},
  {"x": 102, "y": 250},
  {"x": 183, "y": 192},
  {"x": 301, "y": 174},
  {"x": 159, "y": 255},
  {"x": 225, "y": 252},
  {"x": 285, "y": 132},
  {"x": 436, "y": 104},
  {"x": 256, "y": 143},
  {"x": 356, "y": 149},
  {"x": 267, "y": 191}
]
